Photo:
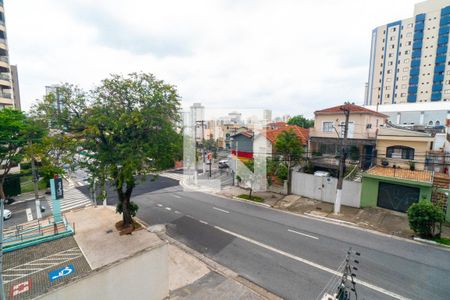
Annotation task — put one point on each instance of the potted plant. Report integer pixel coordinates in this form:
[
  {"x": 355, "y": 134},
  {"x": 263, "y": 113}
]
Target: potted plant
[
  {"x": 412, "y": 165},
  {"x": 384, "y": 163}
]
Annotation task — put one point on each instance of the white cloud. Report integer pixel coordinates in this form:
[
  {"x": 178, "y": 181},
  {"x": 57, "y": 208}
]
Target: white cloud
[{"x": 289, "y": 56}]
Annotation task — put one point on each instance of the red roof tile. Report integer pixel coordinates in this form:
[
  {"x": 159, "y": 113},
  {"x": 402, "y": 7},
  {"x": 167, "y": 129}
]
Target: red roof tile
[
  {"x": 352, "y": 107},
  {"x": 302, "y": 133}
]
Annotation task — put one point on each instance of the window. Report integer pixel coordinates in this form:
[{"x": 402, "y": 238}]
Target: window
[
  {"x": 390, "y": 63},
  {"x": 327, "y": 126},
  {"x": 409, "y": 43},
  {"x": 402, "y": 95},
  {"x": 402, "y": 152},
  {"x": 407, "y": 52},
  {"x": 404, "y": 77},
  {"x": 430, "y": 123},
  {"x": 404, "y": 86},
  {"x": 437, "y": 123},
  {"x": 388, "y": 80},
  {"x": 406, "y": 69},
  {"x": 388, "y": 87},
  {"x": 406, "y": 60},
  {"x": 447, "y": 92},
  {"x": 388, "y": 72},
  {"x": 410, "y": 25},
  {"x": 392, "y": 38}
]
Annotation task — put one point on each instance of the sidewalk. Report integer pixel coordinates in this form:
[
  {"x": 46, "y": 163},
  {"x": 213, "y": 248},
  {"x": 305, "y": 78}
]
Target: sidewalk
[
  {"x": 190, "y": 275},
  {"x": 374, "y": 218}
]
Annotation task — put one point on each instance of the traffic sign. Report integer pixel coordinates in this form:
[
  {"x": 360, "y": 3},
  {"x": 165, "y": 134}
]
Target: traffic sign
[
  {"x": 62, "y": 272},
  {"x": 20, "y": 288}
]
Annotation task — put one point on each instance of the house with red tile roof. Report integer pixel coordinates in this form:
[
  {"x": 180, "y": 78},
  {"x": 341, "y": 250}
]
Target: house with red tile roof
[
  {"x": 267, "y": 139},
  {"x": 324, "y": 138}
]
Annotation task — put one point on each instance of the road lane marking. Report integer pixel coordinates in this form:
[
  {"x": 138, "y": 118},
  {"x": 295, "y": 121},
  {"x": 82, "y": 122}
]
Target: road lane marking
[
  {"x": 222, "y": 210},
  {"x": 160, "y": 205},
  {"x": 304, "y": 234},
  {"x": 176, "y": 196},
  {"x": 168, "y": 208},
  {"x": 310, "y": 263},
  {"x": 177, "y": 212},
  {"x": 203, "y": 222},
  {"x": 29, "y": 215}
]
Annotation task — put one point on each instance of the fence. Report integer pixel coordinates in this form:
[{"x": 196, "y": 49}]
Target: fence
[{"x": 324, "y": 189}]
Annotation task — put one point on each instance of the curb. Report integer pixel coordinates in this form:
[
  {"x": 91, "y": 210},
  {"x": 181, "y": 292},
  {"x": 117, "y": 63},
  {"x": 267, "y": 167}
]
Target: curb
[
  {"x": 425, "y": 241},
  {"x": 220, "y": 269}
]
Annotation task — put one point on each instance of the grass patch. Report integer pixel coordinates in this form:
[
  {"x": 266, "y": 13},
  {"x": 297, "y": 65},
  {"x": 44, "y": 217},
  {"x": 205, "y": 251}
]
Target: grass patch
[
  {"x": 26, "y": 184},
  {"x": 254, "y": 198},
  {"x": 442, "y": 240}
]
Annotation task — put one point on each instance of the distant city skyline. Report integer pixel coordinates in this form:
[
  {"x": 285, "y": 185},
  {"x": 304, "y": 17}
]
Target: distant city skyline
[{"x": 292, "y": 57}]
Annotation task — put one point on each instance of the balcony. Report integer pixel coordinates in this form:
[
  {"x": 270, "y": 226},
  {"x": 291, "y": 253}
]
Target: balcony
[
  {"x": 366, "y": 134},
  {"x": 5, "y": 95},
  {"x": 5, "y": 76}
]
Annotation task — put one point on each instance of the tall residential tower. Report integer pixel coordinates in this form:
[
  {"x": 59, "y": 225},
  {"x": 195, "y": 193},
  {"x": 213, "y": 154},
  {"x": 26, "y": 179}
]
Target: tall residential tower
[
  {"x": 6, "y": 86},
  {"x": 409, "y": 61}
]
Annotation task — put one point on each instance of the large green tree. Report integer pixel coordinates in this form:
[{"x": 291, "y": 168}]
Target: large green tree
[
  {"x": 120, "y": 131},
  {"x": 131, "y": 130},
  {"x": 301, "y": 121},
  {"x": 13, "y": 139},
  {"x": 289, "y": 146}
]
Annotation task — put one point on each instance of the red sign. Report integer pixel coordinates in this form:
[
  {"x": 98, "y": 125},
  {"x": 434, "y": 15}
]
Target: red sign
[
  {"x": 209, "y": 156},
  {"x": 20, "y": 288}
]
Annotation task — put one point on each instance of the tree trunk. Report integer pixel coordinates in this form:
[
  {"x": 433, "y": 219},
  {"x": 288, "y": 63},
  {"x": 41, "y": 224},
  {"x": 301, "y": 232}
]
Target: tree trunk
[
  {"x": 289, "y": 175},
  {"x": 124, "y": 199},
  {"x": 2, "y": 191},
  {"x": 250, "y": 194}
]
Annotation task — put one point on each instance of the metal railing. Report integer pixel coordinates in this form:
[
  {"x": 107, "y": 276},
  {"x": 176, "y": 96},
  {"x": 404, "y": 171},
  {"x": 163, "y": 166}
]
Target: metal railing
[
  {"x": 5, "y": 76},
  {"x": 4, "y": 58},
  {"x": 6, "y": 96}
]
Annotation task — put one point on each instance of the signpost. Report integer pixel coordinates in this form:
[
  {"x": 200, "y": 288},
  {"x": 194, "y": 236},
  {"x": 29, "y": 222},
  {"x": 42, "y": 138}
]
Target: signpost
[{"x": 57, "y": 191}]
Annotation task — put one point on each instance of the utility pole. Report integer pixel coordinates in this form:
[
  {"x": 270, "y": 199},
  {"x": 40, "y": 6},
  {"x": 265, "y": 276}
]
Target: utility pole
[
  {"x": 35, "y": 182},
  {"x": 337, "y": 203}
]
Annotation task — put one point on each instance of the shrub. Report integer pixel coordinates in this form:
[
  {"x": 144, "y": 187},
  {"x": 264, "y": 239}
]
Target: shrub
[
  {"x": 423, "y": 217},
  {"x": 253, "y": 198},
  {"x": 282, "y": 172}
]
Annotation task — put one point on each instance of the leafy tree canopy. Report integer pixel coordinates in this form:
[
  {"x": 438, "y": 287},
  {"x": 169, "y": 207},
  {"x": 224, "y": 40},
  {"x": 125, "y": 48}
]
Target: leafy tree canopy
[{"x": 301, "y": 121}]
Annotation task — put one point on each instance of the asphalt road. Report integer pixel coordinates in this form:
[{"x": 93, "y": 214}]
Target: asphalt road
[{"x": 292, "y": 256}]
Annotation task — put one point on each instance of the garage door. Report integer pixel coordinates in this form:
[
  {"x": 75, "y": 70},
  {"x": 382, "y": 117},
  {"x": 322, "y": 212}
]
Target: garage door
[{"x": 397, "y": 197}]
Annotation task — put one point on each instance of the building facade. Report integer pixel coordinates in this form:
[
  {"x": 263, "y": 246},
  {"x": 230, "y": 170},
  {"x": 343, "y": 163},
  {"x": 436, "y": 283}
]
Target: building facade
[
  {"x": 6, "y": 87},
  {"x": 409, "y": 61}
]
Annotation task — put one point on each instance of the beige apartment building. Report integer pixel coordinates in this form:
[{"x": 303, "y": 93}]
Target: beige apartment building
[
  {"x": 6, "y": 85},
  {"x": 409, "y": 61}
]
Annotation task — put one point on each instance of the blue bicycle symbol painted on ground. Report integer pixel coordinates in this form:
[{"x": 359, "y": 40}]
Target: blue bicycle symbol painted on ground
[{"x": 59, "y": 273}]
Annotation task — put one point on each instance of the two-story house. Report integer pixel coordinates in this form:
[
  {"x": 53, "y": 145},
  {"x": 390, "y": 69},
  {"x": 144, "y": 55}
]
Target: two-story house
[{"x": 325, "y": 137}]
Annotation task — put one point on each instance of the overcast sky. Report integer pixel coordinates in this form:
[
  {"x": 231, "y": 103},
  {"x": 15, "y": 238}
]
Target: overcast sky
[{"x": 289, "y": 56}]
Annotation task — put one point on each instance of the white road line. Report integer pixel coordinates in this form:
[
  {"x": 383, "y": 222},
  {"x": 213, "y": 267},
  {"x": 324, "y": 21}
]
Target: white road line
[
  {"x": 310, "y": 263},
  {"x": 177, "y": 212},
  {"x": 160, "y": 205},
  {"x": 176, "y": 196},
  {"x": 29, "y": 215},
  {"x": 168, "y": 208},
  {"x": 304, "y": 234},
  {"x": 222, "y": 210},
  {"x": 203, "y": 222},
  {"x": 189, "y": 216}
]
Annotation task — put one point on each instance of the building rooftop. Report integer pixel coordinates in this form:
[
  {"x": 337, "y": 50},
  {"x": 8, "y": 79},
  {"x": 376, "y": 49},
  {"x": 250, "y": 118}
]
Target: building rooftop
[
  {"x": 417, "y": 175},
  {"x": 301, "y": 132},
  {"x": 353, "y": 109}
]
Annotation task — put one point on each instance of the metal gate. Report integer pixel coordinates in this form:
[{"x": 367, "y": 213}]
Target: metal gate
[{"x": 397, "y": 197}]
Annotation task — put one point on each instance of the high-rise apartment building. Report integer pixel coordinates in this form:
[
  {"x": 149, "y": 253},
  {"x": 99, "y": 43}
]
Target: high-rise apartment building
[
  {"x": 6, "y": 88},
  {"x": 409, "y": 59}
]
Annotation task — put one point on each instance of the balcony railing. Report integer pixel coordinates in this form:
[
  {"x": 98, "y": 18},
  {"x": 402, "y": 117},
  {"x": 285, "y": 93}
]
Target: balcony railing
[
  {"x": 4, "y": 58},
  {"x": 4, "y": 95},
  {"x": 2, "y": 41}
]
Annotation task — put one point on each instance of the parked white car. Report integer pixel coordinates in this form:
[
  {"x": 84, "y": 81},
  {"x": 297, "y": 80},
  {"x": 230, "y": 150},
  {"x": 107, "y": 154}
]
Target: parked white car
[{"x": 7, "y": 214}]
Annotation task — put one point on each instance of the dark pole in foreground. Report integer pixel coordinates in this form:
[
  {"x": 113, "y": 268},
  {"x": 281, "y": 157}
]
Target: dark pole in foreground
[{"x": 337, "y": 203}]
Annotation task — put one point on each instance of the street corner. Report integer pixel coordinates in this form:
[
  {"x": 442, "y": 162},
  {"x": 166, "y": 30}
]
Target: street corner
[{"x": 34, "y": 271}]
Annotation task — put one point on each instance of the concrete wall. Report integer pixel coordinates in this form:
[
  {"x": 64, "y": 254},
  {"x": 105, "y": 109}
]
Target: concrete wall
[
  {"x": 324, "y": 189},
  {"x": 143, "y": 276},
  {"x": 369, "y": 192}
]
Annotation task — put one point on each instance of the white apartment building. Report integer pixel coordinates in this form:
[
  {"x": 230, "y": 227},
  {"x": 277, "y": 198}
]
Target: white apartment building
[
  {"x": 6, "y": 85},
  {"x": 409, "y": 59}
]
